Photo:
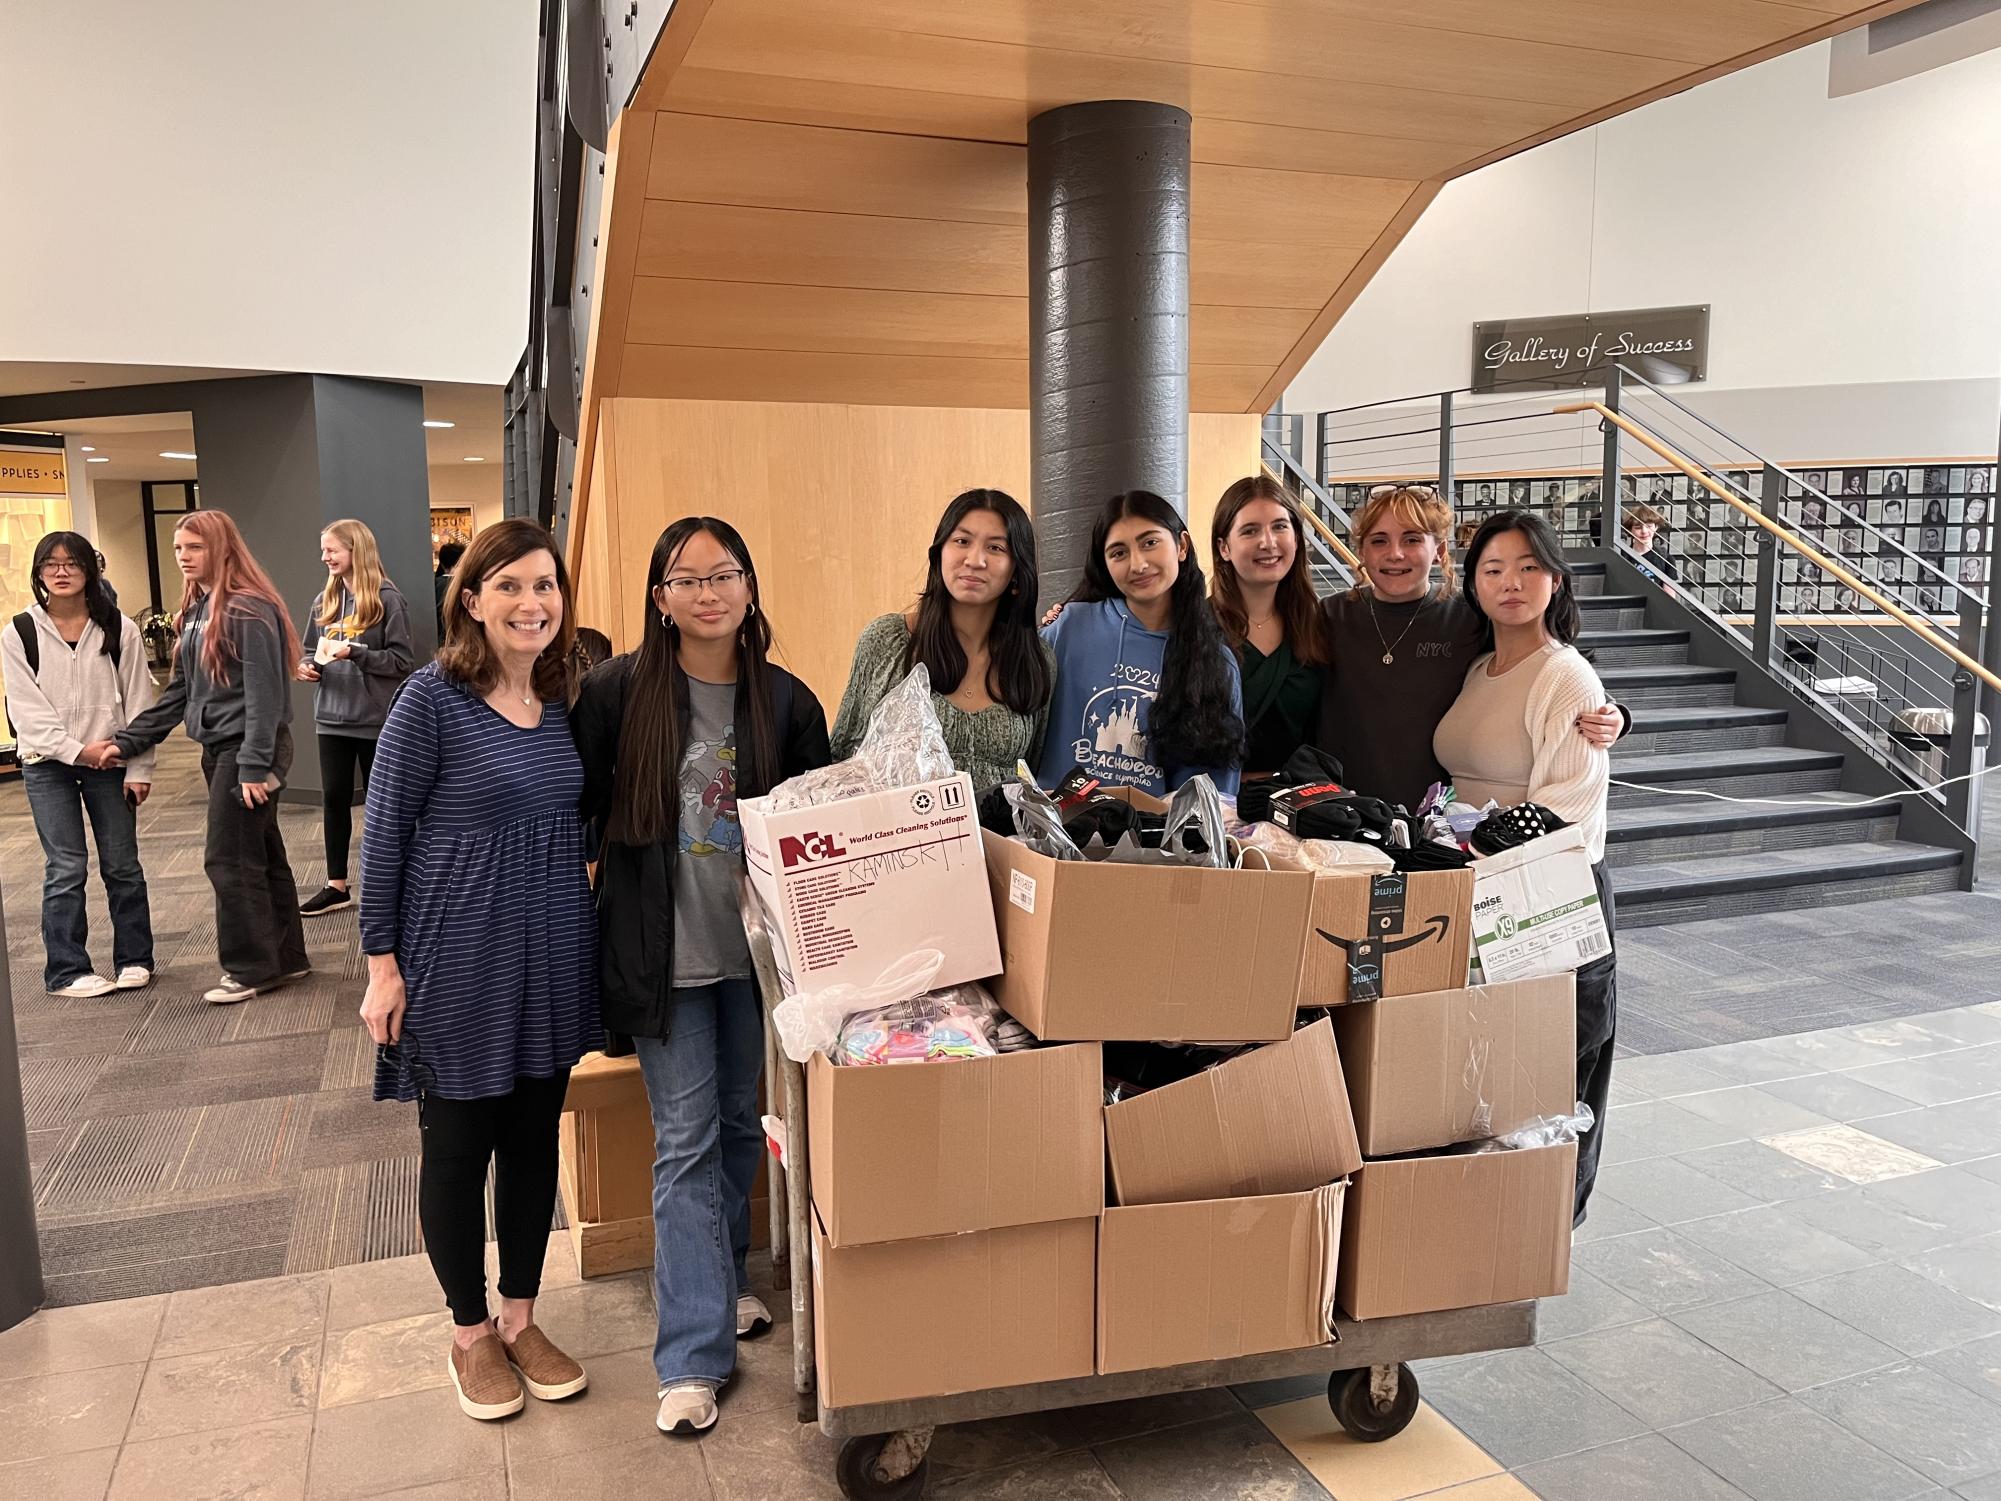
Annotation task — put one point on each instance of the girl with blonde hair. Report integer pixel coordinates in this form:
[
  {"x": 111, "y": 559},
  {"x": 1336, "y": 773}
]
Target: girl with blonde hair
[{"x": 357, "y": 648}]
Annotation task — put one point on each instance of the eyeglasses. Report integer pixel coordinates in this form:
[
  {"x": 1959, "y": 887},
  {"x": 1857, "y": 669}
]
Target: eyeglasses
[
  {"x": 688, "y": 588},
  {"x": 1427, "y": 492},
  {"x": 56, "y": 567}
]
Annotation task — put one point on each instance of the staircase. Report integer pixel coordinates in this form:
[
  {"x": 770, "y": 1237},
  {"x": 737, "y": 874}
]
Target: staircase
[{"x": 1680, "y": 859}]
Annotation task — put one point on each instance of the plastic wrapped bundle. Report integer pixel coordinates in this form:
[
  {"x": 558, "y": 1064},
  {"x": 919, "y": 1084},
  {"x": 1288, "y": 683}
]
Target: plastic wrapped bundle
[
  {"x": 926, "y": 1029},
  {"x": 904, "y": 746}
]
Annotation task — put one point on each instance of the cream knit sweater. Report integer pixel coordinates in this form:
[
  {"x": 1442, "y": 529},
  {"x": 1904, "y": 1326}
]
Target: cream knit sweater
[{"x": 1535, "y": 756}]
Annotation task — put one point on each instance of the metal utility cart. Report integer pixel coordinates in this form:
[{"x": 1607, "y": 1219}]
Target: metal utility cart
[{"x": 884, "y": 1445}]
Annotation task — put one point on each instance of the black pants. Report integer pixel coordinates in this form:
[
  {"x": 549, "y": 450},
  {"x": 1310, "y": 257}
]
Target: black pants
[
  {"x": 517, "y": 1133},
  {"x": 339, "y": 756},
  {"x": 1597, "y": 1021},
  {"x": 258, "y": 933}
]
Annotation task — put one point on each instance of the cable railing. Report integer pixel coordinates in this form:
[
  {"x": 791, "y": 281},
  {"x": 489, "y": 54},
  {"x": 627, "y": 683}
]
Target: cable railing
[{"x": 1333, "y": 562}]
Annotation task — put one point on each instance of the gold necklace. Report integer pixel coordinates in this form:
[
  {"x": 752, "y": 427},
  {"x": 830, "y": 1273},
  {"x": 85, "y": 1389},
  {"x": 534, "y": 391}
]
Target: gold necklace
[{"x": 1390, "y": 647}]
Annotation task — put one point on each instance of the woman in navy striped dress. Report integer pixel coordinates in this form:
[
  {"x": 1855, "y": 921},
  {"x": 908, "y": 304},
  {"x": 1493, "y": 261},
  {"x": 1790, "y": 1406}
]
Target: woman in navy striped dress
[{"x": 481, "y": 938}]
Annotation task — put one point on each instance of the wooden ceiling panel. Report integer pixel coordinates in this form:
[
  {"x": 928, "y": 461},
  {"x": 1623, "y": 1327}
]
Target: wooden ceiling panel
[
  {"x": 1692, "y": 32},
  {"x": 1224, "y": 388},
  {"x": 1250, "y": 273},
  {"x": 679, "y": 372},
  {"x": 1303, "y": 210},
  {"x": 1244, "y": 335},
  {"x": 856, "y": 320}
]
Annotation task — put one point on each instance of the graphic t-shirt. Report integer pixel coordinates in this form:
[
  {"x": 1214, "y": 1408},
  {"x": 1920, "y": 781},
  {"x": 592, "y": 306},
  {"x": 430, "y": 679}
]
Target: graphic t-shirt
[{"x": 709, "y": 942}]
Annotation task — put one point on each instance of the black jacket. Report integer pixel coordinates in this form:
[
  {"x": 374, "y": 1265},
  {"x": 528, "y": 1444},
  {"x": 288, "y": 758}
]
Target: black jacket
[{"x": 635, "y": 886}]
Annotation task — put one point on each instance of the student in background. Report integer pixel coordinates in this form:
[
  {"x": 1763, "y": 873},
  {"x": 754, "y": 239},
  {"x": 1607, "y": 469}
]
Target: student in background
[
  {"x": 1263, "y": 597},
  {"x": 231, "y": 687},
  {"x": 441, "y": 582},
  {"x": 477, "y": 921},
  {"x": 974, "y": 629},
  {"x": 357, "y": 649},
  {"x": 1642, "y": 526},
  {"x": 1511, "y": 738},
  {"x": 1148, "y": 692},
  {"x": 670, "y": 737},
  {"x": 76, "y": 673}
]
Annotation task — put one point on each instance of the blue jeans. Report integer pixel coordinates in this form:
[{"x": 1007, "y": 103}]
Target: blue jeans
[
  {"x": 59, "y": 796},
  {"x": 701, "y": 1083}
]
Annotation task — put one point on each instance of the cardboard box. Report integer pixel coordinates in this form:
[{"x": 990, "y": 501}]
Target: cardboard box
[
  {"x": 1379, "y": 933},
  {"x": 899, "y": 1152},
  {"x": 1096, "y": 952},
  {"x": 1536, "y": 909},
  {"x": 955, "y": 1313},
  {"x": 1275, "y": 1121},
  {"x": 856, "y": 885},
  {"x": 1430, "y": 1233},
  {"x": 1459, "y": 1065},
  {"x": 1179, "y": 1283}
]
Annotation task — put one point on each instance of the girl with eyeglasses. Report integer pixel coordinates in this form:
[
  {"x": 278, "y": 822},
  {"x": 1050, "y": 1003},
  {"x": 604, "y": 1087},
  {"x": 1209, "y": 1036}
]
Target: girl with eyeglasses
[
  {"x": 671, "y": 736},
  {"x": 1264, "y": 600},
  {"x": 1148, "y": 692},
  {"x": 974, "y": 630},
  {"x": 76, "y": 674}
]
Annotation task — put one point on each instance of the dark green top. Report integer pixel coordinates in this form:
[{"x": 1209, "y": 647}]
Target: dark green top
[{"x": 1281, "y": 707}]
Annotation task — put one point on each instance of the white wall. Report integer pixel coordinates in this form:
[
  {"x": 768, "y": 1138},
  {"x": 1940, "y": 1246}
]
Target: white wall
[
  {"x": 121, "y": 537},
  {"x": 1846, "y": 243},
  {"x": 241, "y": 184}
]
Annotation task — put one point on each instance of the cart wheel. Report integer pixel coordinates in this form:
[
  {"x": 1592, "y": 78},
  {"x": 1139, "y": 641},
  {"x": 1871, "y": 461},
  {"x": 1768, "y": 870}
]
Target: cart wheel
[
  {"x": 860, "y": 1476},
  {"x": 1358, "y": 1409}
]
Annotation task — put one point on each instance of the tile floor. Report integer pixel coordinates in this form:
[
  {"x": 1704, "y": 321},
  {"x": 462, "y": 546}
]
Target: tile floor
[{"x": 1789, "y": 1287}]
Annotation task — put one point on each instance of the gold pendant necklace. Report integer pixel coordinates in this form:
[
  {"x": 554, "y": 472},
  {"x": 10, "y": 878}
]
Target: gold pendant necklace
[{"x": 1389, "y": 647}]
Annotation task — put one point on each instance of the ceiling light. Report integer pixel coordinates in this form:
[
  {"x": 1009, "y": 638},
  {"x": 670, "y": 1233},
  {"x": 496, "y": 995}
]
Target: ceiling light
[
  {"x": 168, "y": 453},
  {"x": 473, "y": 458},
  {"x": 97, "y": 461},
  {"x": 433, "y": 422},
  {"x": 86, "y": 448}
]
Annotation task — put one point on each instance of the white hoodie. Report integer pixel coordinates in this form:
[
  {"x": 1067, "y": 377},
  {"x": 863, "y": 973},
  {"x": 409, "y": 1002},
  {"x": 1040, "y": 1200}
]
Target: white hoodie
[{"x": 78, "y": 696}]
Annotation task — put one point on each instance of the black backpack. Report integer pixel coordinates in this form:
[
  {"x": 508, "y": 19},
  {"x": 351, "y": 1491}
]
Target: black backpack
[{"x": 31, "y": 644}]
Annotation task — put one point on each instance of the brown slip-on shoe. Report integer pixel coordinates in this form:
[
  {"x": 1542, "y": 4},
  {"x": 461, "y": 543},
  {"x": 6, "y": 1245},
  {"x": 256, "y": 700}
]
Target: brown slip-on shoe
[
  {"x": 545, "y": 1370},
  {"x": 484, "y": 1380}
]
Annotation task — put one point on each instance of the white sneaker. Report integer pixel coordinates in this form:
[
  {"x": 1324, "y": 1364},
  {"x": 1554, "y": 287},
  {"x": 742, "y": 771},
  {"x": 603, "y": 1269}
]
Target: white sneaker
[
  {"x": 688, "y": 1408},
  {"x": 84, "y": 986},
  {"x": 752, "y": 1317},
  {"x": 134, "y": 977},
  {"x": 229, "y": 992}
]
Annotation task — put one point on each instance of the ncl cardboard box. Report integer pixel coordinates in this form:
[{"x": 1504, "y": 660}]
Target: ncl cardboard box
[
  {"x": 1379, "y": 933},
  {"x": 1457, "y": 1231},
  {"x": 955, "y": 1313},
  {"x": 1179, "y": 1283},
  {"x": 899, "y": 1152},
  {"x": 1536, "y": 909},
  {"x": 1459, "y": 1065},
  {"x": 856, "y": 885},
  {"x": 1096, "y": 952},
  {"x": 1274, "y": 1121}
]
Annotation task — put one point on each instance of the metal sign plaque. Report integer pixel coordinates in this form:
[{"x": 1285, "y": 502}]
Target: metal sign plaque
[{"x": 1668, "y": 345}]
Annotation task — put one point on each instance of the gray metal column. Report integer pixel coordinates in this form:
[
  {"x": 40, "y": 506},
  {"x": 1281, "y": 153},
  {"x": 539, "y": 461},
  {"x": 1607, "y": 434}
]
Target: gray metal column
[
  {"x": 1108, "y": 204},
  {"x": 20, "y": 1252}
]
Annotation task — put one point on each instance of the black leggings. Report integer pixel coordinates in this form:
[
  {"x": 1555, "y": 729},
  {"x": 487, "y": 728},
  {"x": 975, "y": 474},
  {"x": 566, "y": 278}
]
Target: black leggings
[
  {"x": 1597, "y": 1025},
  {"x": 339, "y": 755},
  {"x": 517, "y": 1132}
]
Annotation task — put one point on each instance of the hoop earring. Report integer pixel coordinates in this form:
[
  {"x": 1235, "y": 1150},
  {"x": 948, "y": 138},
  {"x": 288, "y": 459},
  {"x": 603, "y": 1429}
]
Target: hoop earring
[
  {"x": 750, "y": 609},
  {"x": 666, "y": 624}
]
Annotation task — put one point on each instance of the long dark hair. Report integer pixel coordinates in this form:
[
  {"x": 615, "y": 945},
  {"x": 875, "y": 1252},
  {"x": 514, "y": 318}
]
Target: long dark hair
[
  {"x": 1192, "y": 721},
  {"x": 1562, "y": 619},
  {"x": 1017, "y": 672},
  {"x": 96, "y": 594},
  {"x": 1295, "y": 601},
  {"x": 646, "y": 778}
]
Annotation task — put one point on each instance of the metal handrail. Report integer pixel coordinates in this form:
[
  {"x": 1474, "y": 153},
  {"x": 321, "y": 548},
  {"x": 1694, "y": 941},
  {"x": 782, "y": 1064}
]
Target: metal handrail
[
  {"x": 1283, "y": 468},
  {"x": 1791, "y": 539}
]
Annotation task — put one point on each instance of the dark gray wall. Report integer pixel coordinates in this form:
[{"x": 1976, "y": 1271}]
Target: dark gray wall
[{"x": 20, "y": 1252}]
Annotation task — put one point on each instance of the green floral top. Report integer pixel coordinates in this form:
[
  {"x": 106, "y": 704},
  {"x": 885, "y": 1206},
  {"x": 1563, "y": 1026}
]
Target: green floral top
[{"x": 984, "y": 745}]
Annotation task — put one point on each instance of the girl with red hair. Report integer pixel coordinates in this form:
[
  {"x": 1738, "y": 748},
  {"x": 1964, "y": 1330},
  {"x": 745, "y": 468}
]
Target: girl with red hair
[{"x": 232, "y": 664}]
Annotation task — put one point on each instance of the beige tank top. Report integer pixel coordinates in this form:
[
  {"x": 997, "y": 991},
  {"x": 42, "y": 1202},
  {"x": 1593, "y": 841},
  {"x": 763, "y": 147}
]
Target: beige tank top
[{"x": 1483, "y": 741}]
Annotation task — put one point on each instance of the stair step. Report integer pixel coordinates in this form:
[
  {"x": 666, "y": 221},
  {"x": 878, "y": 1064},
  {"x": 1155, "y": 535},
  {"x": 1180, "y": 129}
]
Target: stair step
[
  {"x": 1633, "y": 646},
  {"x": 1777, "y": 771},
  {"x": 1669, "y": 684},
  {"x": 1611, "y": 602},
  {"x": 1687, "y": 828},
  {"x": 1780, "y": 880},
  {"x": 1661, "y": 729},
  {"x": 1588, "y": 579}
]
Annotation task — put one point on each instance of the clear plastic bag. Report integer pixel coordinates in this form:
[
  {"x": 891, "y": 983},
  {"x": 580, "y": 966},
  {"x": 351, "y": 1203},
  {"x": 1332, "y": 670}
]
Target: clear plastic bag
[
  {"x": 1038, "y": 822},
  {"x": 1196, "y": 830},
  {"x": 1314, "y": 854},
  {"x": 1543, "y": 1131},
  {"x": 953, "y": 1023},
  {"x": 904, "y": 746},
  {"x": 811, "y": 1021}
]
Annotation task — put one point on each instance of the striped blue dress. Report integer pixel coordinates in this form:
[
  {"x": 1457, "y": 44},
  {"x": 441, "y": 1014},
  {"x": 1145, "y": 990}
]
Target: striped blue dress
[{"x": 472, "y": 873}]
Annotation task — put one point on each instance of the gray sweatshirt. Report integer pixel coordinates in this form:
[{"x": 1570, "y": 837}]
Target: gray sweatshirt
[
  {"x": 251, "y": 706},
  {"x": 355, "y": 690}
]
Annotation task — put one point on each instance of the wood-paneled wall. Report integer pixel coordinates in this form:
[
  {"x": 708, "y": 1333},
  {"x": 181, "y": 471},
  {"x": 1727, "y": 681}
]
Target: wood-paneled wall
[{"x": 836, "y": 503}]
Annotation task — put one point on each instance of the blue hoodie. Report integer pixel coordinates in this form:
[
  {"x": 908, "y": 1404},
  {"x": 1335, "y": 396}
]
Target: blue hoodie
[{"x": 1107, "y": 677}]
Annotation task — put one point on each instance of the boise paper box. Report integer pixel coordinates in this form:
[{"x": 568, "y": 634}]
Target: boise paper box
[
  {"x": 856, "y": 885},
  {"x": 969, "y": 1144},
  {"x": 1460, "y": 1231},
  {"x": 955, "y": 1313},
  {"x": 1536, "y": 909},
  {"x": 1459, "y": 1065},
  {"x": 1383, "y": 933},
  {"x": 1179, "y": 1283},
  {"x": 1274, "y": 1121},
  {"x": 1096, "y": 952}
]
